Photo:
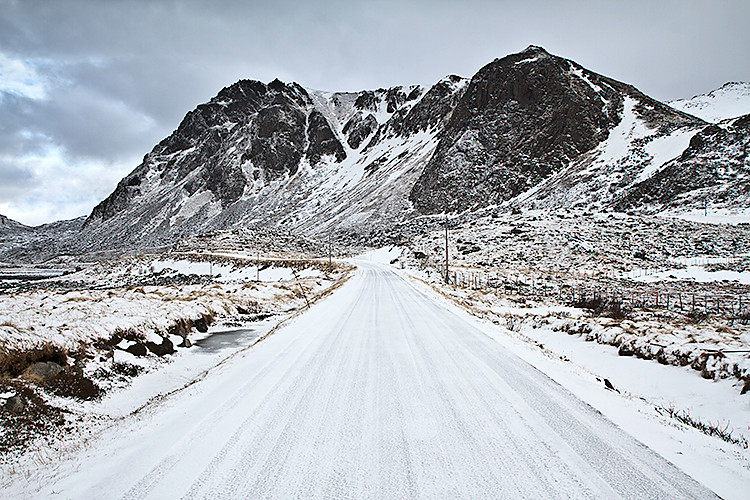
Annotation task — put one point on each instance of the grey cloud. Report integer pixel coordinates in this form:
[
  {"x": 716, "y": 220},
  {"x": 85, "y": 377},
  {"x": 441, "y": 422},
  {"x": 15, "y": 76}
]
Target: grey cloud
[{"x": 11, "y": 175}]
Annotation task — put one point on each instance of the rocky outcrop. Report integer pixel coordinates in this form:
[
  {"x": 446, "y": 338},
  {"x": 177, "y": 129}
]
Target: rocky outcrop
[
  {"x": 357, "y": 129},
  {"x": 322, "y": 140}
]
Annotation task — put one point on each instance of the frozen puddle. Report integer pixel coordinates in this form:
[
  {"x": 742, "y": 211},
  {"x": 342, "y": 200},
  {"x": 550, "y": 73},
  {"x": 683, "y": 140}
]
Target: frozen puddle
[
  {"x": 182, "y": 367},
  {"x": 227, "y": 339}
]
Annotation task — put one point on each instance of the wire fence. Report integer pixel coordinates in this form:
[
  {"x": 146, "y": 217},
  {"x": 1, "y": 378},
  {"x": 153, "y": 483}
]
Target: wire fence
[{"x": 567, "y": 290}]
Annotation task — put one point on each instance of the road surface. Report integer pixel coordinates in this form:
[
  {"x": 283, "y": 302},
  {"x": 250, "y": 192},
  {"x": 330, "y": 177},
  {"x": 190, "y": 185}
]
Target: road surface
[{"x": 379, "y": 391}]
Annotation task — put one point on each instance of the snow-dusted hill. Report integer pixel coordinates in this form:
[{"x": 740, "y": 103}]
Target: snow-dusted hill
[
  {"x": 21, "y": 243},
  {"x": 731, "y": 100}
]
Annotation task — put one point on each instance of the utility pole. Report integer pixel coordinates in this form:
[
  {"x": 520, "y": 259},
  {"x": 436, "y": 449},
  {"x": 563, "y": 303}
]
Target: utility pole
[
  {"x": 330, "y": 251},
  {"x": 257, "y": 266},
  {"x": 447, "y": 276}
]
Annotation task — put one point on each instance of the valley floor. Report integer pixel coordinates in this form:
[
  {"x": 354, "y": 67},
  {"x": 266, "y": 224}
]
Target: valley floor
[{"x": 387, "y": 390}]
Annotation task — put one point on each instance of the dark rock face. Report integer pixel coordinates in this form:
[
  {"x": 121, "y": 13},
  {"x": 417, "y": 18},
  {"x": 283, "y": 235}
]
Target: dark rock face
[
  {"x": 366, "y": 101},
  {"x": 321, "y": 139},
  {"x": 357, "y": 129},
  {"x": 433, "y": 110},
  {"x": 716, "y": 156},
  {"x": 395, "y": 97},
  {"x": 520, "y": 119},
  {"x": 277, "y": 139}
]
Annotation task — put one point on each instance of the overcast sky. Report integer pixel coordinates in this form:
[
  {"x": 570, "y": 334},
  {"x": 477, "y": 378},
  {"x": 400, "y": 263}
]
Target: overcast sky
[{"x": 88, "y": 87}]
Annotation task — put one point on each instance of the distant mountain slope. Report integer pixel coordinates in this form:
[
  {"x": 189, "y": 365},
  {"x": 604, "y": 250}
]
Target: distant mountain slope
[
  {"x": 731, "y": 100},
  {"x": 21, "y": 243},
  {"x": 8, "y": 226}
]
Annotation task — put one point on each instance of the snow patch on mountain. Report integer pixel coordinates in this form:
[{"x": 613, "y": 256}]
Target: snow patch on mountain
[
  {"x": 731, "y": 100},
  {"x": 663, "y": 149},
  {"x": 634, "y": 151}
]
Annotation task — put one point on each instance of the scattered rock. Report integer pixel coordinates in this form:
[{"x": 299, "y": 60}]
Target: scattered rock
[
  {"x": 201, "y": 324},
  {"x": 137, "y": 350},
  {"x": 608, "y": 384},
  {"x": 185, "y": 343},
  {"x": 42, "y": 371},
  {"x": 746, "y": 387},
  {"x": 15, "y": 404},
  {"x": 166, "y": 347},
  {"x": 625, "y": 350}
]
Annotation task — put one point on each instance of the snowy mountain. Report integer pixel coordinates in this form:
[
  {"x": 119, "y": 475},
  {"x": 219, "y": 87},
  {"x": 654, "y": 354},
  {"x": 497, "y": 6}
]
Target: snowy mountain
[
  {"x": 731, "y": 100},
  {"x": 529, "y": 130},
  {"x": 543, "y": 131},
  {"x": 714, "y": 169},
  {"x": 279, "y": 155},
  {"x": 21, "y": 243}
]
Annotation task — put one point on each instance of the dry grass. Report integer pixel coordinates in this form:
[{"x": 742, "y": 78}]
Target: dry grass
[{"x": 13, "y": 362}]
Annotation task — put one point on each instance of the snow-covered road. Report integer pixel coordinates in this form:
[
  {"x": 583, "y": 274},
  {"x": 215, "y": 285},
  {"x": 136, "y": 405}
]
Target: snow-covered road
[{"x": 378, "y": 391}]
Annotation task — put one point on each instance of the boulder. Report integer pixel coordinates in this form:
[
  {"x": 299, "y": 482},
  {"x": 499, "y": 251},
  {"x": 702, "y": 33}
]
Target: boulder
[
  {"x": 137, "y": 350},
  {"x": 15, "y": 404},
  {"x": 201, "y": 324},
  {"x": 625, "y": 350},
  {"x": 42, "y": 371},
  {"x": 166, "y": 347}
]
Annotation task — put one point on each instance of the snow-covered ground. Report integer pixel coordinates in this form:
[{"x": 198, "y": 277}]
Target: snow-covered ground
[
  {"x": 75, "y": 318},
  {"x": 386, "y": 390},
  {"x": 644, "y": 391},
  {"x": 126, "y": 330},
  {"x": 713, "y": 215}
]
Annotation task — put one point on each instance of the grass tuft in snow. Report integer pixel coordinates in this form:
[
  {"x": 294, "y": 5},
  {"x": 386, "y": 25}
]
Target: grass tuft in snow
[{"x": 723, "y": 432}]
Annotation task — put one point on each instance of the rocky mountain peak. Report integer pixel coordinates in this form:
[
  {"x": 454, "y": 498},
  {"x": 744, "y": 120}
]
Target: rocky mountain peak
[
  {"x": 248, "y": 132},
  {"x": 521, "y": 118}
]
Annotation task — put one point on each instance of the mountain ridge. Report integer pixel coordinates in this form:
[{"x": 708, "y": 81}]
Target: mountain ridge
[{"x": 528, "y": 130}]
